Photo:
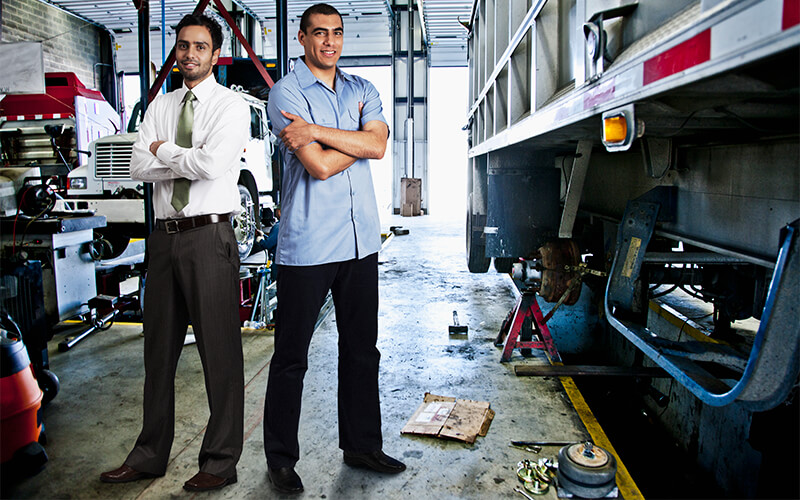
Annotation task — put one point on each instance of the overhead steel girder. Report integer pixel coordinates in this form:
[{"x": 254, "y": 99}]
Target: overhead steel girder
[{"x": 201, "y": 6}]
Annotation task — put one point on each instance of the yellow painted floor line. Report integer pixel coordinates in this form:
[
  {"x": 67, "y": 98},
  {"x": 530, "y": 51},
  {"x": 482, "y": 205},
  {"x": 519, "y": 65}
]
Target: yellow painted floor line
[{"x": 627, "y": 487}]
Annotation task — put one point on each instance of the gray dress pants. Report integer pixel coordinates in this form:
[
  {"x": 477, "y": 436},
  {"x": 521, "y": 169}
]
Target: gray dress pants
[{"x": 192, "y": 276}]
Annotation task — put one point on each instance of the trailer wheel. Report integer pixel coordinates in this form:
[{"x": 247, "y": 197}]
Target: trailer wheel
[
  {"x": 476, "y": 248},
  {"x": 244, "y": 224},
  {"x": 503, "y": 264}
]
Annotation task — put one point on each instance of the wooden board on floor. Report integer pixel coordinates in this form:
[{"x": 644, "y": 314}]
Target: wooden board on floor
[{"x": 584, "y": 370}]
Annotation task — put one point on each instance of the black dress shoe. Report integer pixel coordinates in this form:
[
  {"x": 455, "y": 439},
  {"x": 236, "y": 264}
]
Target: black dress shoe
[
  {"x": 376, "y": 460},
  {"x": 125, "y": 474},
  {"x": 285, "y": 479},
  {"x": 203, "y": 481}
]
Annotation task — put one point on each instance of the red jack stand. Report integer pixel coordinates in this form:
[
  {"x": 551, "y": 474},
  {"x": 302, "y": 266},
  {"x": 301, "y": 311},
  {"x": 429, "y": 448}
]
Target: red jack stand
[{"x": 526, "y": 307}]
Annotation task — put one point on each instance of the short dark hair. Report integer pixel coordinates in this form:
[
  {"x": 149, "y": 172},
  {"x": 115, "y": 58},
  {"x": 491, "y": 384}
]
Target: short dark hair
[
  {"x": 211, "y": 25},
  {"x": 320, "y": 8}
]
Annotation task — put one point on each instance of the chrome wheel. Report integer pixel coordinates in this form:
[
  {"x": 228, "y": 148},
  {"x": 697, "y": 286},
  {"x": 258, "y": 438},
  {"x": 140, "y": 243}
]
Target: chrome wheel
[{"x": 244, "y": 224}]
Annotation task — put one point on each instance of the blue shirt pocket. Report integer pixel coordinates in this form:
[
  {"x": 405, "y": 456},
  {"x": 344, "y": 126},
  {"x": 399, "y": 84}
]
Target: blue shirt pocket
[
  {"x": 324, "y": 116},
  {"x": 352, "y": 118}
]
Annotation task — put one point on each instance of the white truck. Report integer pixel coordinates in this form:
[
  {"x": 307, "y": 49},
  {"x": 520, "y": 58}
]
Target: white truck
[{"x": 104, "y": 185}]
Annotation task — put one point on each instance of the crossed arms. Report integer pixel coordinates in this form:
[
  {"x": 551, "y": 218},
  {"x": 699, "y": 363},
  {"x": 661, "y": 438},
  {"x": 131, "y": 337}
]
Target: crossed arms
[
  {"x": 154, "y": 159},
  {"x": 326, "y": 151}
]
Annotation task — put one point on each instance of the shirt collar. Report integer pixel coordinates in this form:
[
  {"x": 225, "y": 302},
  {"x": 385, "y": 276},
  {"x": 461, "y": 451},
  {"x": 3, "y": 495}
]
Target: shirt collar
[
  {"x": 202, "y": 90},
  {"x": 306, "y": 78}
]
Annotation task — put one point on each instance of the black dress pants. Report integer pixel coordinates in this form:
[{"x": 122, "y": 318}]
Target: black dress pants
[
  {"x": 192, "y": 275},
  {"x": 301, "y": 293}
]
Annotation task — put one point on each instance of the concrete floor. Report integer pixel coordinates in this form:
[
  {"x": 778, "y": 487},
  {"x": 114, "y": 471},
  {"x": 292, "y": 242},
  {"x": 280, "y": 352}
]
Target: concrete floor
[{"x": 93, "y": 422}]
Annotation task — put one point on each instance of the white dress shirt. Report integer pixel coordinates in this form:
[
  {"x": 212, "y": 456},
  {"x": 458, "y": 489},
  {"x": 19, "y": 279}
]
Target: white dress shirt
[{"x": 220, "y": 131}]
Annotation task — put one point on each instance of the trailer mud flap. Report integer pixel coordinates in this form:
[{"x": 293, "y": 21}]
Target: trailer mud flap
[
  {"x": 771, "y": 369},
  {"x": 523, "y": 210}
]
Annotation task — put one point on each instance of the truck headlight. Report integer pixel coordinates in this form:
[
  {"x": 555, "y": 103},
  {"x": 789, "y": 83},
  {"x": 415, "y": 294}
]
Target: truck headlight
[{"x": 76, "y": 183}]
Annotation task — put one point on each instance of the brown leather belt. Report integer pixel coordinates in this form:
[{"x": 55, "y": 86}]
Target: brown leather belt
[{"x": 172, "y": 226}]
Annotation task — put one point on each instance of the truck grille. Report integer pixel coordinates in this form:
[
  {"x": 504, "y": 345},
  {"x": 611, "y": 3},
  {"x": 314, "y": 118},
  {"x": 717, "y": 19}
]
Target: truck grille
[{"x": 113, "y": 161}]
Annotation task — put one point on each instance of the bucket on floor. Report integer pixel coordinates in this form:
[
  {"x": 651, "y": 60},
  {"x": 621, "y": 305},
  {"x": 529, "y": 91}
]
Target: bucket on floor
[{"x": 21, "y": 427}]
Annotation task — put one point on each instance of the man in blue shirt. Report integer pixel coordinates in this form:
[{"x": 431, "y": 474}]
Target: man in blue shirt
[{"x": 330, "y": 125}]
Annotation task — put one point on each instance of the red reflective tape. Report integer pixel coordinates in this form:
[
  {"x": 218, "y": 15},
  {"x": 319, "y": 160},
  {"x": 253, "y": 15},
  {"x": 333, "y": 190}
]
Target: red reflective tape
[
  {"x": 692, "y": 52},
  {"x": 224, "y": 61},
  {"x": 791, "y": 13},
  {"x": 47, "y": 116}
]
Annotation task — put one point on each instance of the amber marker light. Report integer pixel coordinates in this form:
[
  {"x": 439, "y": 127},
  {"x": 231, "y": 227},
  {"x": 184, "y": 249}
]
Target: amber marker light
[
  {"x": 615, "y": 129},
  {"x": 620, "y": 128}
]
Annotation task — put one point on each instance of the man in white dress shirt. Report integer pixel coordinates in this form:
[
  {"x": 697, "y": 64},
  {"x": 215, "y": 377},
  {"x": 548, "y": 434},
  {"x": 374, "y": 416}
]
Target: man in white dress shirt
[{"x": 189, "y": 145}]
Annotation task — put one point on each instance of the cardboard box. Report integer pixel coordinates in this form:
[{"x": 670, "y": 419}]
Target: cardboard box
[
  {"x": 446, "y": 417},
  {"x": 410, "y": 194}
]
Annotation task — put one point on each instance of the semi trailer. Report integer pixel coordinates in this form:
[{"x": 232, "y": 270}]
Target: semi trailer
[{"x": 655, "y": 143}]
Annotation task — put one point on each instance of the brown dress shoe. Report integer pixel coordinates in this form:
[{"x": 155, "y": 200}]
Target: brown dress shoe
[
  {"x": 125, "y": 474},
  {"x": 203, "y": 481}
]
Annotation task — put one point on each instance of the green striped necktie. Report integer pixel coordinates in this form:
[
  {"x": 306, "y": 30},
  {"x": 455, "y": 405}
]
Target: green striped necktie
[{"x": 180, "y": 187}]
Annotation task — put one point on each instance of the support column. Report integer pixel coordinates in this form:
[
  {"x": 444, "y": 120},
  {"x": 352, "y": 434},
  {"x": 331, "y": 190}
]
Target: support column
[
  {"x": 143, "y": 11},
  {"x": 410, "y": 90}
]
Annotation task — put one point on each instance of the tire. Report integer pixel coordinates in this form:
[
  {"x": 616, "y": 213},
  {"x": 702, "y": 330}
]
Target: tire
[
  {"x": 244, "y": 223},
  {"x": 119, "y": 243},
  {"x": 586, "y": 475},
  {"x": 110, "y": 244},
  {"x": 50, "y": 385},
  {"x": 476, "y": 248},
  {"x": 584, "y": 490},
  {"x": 503, "y": 264}
]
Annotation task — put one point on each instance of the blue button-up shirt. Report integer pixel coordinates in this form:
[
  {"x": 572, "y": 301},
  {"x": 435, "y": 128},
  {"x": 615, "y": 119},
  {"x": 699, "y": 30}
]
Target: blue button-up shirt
[{"x": 336, "y": 219}]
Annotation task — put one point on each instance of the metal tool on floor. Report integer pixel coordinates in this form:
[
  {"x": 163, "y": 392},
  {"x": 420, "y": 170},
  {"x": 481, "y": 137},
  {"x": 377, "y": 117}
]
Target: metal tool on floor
[
  {"x": 522, "y": 492},
  {"x": 530, "y": 449},
  {"x": 519, "y": 444},
  {"x": 456, "y": 328},
  {"x": 102, "y": 311},
  {"x": 535, "y": 476}
]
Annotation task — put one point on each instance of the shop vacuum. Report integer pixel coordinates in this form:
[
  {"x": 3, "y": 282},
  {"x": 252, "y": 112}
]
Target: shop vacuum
[{"x": 21, "y": 429}]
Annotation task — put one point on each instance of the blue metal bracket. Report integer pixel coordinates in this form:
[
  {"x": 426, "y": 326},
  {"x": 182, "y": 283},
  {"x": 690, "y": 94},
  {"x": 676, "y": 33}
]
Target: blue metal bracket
[
  {"x": 634, "y": 235},
  {"x": 771, "y": 369}
]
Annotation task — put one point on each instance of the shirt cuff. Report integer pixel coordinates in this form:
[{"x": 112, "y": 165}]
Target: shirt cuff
[{"x": 167, "y": 151}]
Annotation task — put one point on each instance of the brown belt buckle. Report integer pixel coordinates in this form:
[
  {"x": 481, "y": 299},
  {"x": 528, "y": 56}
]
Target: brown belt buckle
[{"x": 171, "y": 226}]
